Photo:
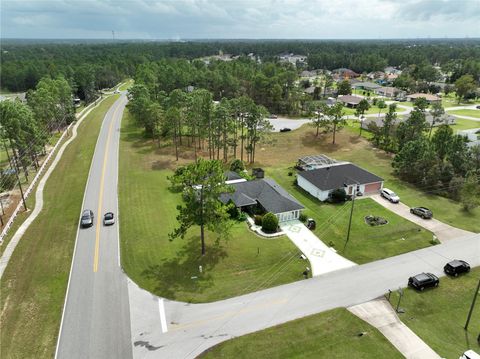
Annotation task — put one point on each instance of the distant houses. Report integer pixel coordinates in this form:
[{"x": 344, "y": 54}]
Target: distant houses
[
  {"x": 429, "y": 97},
  {"x": 349, "y": 100},
  {"x": 292, "y": 58},
  {"x": 390, "y": 92}
]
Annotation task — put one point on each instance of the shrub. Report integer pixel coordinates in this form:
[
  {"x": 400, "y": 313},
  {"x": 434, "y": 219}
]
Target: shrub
[
  {"x": 337, "y": 195},
  {"x": 233, "y": 211},
  {"x": 331, "y": 244},
  {"x": 258, "y": 219},
  {"x": 242, "y": 217},
  {"x": 237, "y": 165},
  {"x": 290, "y": 173},
  {"x": 269, "y": 223},
  {"x": 303, "y": 217}
]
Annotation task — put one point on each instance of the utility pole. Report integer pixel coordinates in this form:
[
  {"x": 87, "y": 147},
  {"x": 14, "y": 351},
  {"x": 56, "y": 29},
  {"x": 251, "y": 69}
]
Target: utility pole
[
  {"x": 473, "y": 305},
  {"x": 351, "y": 210}
]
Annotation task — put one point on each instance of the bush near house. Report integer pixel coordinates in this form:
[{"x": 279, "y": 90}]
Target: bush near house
[
  {"x": 237, "y": 165},
  {"x": 269, "y": 223},
  {"x": 258, "y": 219},
  {"x": 303, "y": 217},
  {"x": 337, "y": 196}
]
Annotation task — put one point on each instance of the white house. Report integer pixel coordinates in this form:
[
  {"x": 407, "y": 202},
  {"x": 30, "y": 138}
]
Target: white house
[{"x": 321, "y": 181}]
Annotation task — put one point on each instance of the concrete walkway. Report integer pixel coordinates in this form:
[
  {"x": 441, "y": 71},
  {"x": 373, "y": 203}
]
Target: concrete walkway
[
  {"x": 443, "y": 231},
  {"x": 323, "y": 259},
  {"x": 380, "y": 314}
]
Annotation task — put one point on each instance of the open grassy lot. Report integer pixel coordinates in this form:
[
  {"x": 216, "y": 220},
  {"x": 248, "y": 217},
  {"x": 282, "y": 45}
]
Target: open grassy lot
[
  {"x": 463, "y": 124},
  {"x": 332, "y": 334},
  {"x": 466, "y": 112},
  {"x": 34, "y": 283},
  {"x": 242, "y": 264},
  {"x": 284, "y": 149},
  {"x": 439, "y": 315},
  {"x": 366, "y": 243},
  {"x": 126, "y": 85}
]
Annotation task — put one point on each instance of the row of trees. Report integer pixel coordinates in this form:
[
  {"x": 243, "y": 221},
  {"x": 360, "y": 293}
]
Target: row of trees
[
  {"x": 25, "y": 128},
  {"x": 230, "y": 127}
]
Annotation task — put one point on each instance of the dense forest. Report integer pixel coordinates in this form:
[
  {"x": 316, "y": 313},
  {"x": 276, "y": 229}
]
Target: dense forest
[{"x": 90, "y": 66}]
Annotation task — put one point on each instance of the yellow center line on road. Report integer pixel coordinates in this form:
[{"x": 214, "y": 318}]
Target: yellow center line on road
[{"x": 100, "y": 195}]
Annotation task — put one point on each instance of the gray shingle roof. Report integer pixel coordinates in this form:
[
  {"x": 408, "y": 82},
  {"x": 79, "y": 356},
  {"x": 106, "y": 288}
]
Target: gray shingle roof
[
  {"x": 266, "y": 192},
  {"x": 333, "y": 177}
]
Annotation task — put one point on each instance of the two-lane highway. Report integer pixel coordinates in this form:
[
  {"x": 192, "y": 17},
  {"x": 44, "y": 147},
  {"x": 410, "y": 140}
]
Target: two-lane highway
[{"x": 96, "y": 318}]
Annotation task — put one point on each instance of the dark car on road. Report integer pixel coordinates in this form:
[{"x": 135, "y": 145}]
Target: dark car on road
[
  {"x": 456, "y": 267},
  {"x": 285, "y": 129},
  {"x": 423, "y": 212},
  {"x": 87, "y": 218},
  {"x": 423, "y": 280}
]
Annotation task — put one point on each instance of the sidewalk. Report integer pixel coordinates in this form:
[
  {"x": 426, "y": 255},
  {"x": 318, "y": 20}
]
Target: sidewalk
[
  {"x": 380, "y": 314},
  {"x": 322, "y": 258}
]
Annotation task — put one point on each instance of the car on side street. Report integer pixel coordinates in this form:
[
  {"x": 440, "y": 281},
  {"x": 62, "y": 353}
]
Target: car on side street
[
  {"x": 423, "y": 280},
  {"x": 456, "y": 267},
  {"x": 108, "y": 219},
  {"x": 273, "y": 117},
  {"x": 423, "y": 212},
  {"x": 390, "y": 195},
  {"x": 285, "y": 129},
  {"x": 87, "y": 218}
]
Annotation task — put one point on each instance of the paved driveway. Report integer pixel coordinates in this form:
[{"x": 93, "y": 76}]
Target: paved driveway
[
  {"x": 443, "y": 231},
  {"x": 322, "y": 258}
]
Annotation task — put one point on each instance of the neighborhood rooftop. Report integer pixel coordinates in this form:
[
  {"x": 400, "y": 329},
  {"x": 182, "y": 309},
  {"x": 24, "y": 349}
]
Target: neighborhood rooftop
[{"x": 328, "y": 178}]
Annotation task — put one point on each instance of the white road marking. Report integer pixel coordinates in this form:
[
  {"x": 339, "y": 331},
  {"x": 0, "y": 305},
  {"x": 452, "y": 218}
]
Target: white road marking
[{"x": 163, "y": 320}]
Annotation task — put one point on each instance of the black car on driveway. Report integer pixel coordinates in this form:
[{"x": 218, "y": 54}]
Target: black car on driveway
[
  {"x": 423, "y": 212},
  {"x": 456, "y": 267},
  {"x": 285, "y": 129},
  {"x": 423, "y": 280}
]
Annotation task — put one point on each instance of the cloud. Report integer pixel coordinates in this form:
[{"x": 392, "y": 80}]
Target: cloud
[{"x": 165, "y": 19}]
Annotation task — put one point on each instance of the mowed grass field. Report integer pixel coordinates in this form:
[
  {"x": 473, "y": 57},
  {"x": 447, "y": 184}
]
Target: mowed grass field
[
  {"x": 332, "y": 334},
  {"x": 366, "y": 243},
  {"x": 466, "y": 112},
  {"x": 242, "y": 264},
  {"x": 438, "y": 315},
  {"x": 282, "y": 150},
  {"x": 34, "y": 283}
]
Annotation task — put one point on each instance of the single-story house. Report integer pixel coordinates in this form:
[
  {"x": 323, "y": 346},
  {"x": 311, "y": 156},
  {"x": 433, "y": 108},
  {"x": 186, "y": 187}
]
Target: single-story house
[
  {"x": 376, "y": 75},
  {"x": 266, "y": 194},
  {"x": 349, "y": 100},
  {"x": 390, "y": 92},
  {"x": 321, "y": 181},
  {"x": 429, "y": 97},
  {"x": 368, "y": 86},
  {"x": 392, "y": 70},
  {"x": 445, "y": 119},
  {"x": 343, "y": 73}
]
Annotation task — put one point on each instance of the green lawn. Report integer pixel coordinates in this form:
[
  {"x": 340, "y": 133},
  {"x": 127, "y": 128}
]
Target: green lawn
[
  {"x": 439, "y": 315},
  {"x": 332, "y": 334},
  {"x": 242, "y": 264},
  {"x": 34, "y": 283},
  {"x": 366, "y": 243},
  {"x": 127, "y": 84},
  {"x": 463, "y": 124},
  {"x": 466, "y": 112}
]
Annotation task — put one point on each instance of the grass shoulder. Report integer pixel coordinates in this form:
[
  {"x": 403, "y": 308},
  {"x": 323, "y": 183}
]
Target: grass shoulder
[{"x": 332, "y": 334}]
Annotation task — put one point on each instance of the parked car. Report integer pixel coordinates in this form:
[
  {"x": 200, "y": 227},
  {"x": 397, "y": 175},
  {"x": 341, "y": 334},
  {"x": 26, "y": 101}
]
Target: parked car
[
  {"x": 272, "y": 116},
  {"x": 470, "y": 354},
  {"x": 390, "y": 195},
  {"x": 456, "y": 267},
  {"x": 423, "y": 212},
  {"x": 423, "y": 280},
  {"x": 108, "y": 219},
  {"x": 116, "y": 91},
  {"x": 285, "y": 129},
  {"x": 311, "y": 224},
  {"x": 87, "y": 218},
  {"x": 478, "y": 107}
]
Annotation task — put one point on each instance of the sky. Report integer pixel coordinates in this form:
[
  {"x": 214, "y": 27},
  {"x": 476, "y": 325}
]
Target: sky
[{"x": 239, "y": 19}]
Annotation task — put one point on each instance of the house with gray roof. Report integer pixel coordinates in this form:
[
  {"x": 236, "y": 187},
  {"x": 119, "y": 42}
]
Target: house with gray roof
[
  {"x": 264, "y": 194},
  {"x": 353, "y": 179}
]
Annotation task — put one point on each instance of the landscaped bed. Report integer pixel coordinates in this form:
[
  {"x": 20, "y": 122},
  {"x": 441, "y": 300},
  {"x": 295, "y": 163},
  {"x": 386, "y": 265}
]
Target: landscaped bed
[
  {"x": 332, "y": 334},
  {"x": 439, "y": 315},
  {"x": 244, "y": 263}
]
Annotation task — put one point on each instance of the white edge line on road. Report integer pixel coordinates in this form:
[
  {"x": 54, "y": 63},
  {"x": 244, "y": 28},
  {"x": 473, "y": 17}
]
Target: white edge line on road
[
  {"x": 118, "y": 170},
  {"x": 163, "y": 321},
  {"x": 78, "y": 223}
]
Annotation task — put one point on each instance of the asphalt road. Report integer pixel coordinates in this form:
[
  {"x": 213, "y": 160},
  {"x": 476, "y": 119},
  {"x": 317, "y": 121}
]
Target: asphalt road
[
  {"x": 192, "y": 328},
  {"x": 96, "y": 319}
]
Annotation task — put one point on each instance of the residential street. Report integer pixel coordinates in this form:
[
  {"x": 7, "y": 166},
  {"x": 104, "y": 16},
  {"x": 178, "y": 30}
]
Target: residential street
[{"x": 96, "y": 315}]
